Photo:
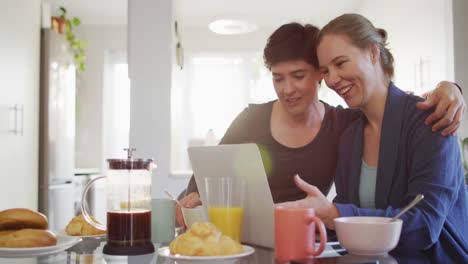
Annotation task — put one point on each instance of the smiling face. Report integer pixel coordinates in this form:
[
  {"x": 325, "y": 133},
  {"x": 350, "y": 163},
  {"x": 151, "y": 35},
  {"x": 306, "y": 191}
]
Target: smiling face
[
  {"x": 296, "y": 84},
  {"x": 348, "y": 70}
]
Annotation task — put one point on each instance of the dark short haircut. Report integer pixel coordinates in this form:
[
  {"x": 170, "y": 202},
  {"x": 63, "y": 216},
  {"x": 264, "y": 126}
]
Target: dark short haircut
[{"x": 292, "y": 41}]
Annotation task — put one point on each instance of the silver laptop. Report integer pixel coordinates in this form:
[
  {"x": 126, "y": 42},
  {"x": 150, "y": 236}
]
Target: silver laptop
[{"x": 241, "y": 160}]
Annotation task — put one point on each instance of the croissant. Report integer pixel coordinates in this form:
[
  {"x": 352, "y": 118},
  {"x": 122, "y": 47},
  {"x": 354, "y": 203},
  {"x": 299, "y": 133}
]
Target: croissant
[
  {"x": 204, "y": 239},
  {"x": 79, "y": 227}
]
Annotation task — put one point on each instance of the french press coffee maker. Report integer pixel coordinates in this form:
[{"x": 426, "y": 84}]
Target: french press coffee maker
[{"x": 128, "y": 184}]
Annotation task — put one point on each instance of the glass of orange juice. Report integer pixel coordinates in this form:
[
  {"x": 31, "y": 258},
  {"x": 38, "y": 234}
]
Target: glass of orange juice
[{"x": 225, "y": 202}]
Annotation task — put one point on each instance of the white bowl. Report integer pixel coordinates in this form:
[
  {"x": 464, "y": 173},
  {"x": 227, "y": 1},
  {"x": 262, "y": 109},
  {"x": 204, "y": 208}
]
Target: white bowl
[{"x": 369, "y": 236}]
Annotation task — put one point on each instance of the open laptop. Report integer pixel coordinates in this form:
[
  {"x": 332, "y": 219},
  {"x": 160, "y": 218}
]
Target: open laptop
[{"x": 241, "y": 160}]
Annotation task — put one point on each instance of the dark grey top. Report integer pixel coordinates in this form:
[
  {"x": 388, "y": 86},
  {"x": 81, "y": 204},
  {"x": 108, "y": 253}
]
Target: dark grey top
[{"x": 314, "y": 162}]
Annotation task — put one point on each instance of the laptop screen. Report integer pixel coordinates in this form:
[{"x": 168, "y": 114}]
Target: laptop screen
[{"x": 240, "y": 160}]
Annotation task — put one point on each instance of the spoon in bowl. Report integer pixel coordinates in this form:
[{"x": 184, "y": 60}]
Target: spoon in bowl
[
  {"x": 416, "y": 200},
  {"x": 173, "y": 198}
]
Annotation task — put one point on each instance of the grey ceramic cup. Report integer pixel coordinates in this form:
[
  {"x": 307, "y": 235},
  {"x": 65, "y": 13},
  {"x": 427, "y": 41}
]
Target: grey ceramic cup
[{"x": 162, "y": 220}]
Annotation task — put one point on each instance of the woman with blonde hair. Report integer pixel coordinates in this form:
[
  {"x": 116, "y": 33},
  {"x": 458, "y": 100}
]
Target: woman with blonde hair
[{"x": 388, "y": 156}]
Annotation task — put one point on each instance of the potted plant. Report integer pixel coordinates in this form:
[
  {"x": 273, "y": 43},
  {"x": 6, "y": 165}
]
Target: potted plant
[
  {"x": 64, "y": 25},
  {"x": 58, "y": 24}
]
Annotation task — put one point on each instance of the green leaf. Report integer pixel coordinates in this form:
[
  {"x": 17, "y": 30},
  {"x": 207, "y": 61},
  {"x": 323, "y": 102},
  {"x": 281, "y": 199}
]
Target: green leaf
[
  {"x": 63, "y": 11},
  {"x": 80, "y": 58},
  {"x": 68, "y": 26},
  {"x": 82, "y": 67},
  {"x": 76, "y": 21},
  {"x": 84, "y": 43},
  {"x": 70, "y": 39}
]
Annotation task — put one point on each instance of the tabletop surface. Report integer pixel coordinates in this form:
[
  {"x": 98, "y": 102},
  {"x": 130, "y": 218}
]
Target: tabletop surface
[{"x": 90, "y": 251}]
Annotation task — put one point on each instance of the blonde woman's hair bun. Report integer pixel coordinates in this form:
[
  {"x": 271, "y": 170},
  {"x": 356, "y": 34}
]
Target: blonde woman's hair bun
[{"x": 383, "y": 34}]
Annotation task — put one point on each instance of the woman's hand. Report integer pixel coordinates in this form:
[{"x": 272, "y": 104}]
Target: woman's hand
[
  {"x": 449, "y": 108},
  {"x": 324, "y": 209},
  {"x": 189, "y": 201}
]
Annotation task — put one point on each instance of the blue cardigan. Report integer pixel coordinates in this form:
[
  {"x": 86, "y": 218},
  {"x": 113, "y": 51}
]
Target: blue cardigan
[{"x": 412, "y": 160}]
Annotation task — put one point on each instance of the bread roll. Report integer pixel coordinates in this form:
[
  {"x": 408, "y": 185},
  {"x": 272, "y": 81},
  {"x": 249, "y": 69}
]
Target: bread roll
[
  {"x": 19, "y": 218},
  {"x": 79, "y": 227},
  {"x": 27, "y": 238}
]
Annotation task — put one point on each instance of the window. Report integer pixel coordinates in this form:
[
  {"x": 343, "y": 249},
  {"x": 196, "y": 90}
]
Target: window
[{"x": 210, "y": 92}]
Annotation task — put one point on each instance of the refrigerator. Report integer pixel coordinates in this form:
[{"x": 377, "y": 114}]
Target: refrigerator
[{"x": 57, "y": 130}]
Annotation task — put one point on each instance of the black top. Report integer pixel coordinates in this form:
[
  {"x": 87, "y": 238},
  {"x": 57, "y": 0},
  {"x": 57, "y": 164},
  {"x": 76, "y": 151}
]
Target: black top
[{"x": 314, "y": 162}]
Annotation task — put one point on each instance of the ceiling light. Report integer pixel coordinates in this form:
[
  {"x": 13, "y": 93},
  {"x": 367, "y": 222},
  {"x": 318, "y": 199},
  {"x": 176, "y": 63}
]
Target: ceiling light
[{"x": 231, "y": 26}]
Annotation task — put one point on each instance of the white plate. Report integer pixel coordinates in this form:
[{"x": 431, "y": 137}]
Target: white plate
[
  {"x": 99, "y": 237},
  {"x": 63, "y": 242},
  {"x": 227, "y": 259}
]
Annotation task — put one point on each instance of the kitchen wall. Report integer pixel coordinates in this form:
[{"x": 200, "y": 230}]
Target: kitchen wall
[
  {"x": 19, "y": 84},
  {"x": 89, "y": 126},
  {"x": 420, "y": 38},
  {"x": 460, "y": 34}
]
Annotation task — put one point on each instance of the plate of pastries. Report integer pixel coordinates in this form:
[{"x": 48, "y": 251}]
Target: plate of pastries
[
  {"x": 204, "y": 243},
  {"x": 23, "y": 233},
  {"x": 78, "y": 227}
]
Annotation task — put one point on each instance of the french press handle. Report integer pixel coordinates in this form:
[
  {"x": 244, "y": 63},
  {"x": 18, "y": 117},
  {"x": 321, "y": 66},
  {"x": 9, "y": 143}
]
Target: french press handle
[{"x": 85, "y": 212}]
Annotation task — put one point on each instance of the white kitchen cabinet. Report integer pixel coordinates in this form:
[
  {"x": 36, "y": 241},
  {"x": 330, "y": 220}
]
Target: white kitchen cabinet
[{"x": 19, "y": 86}]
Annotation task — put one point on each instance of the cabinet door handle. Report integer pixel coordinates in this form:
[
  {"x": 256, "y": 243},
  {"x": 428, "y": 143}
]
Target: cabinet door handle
[
  {"x": 18, "y": 127},
  {"x": 14, "y": 109},
  {"x": 22, "y": 120}
]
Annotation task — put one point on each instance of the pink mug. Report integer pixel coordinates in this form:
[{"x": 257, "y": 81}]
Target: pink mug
[{"x": 295, "y": 233}]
